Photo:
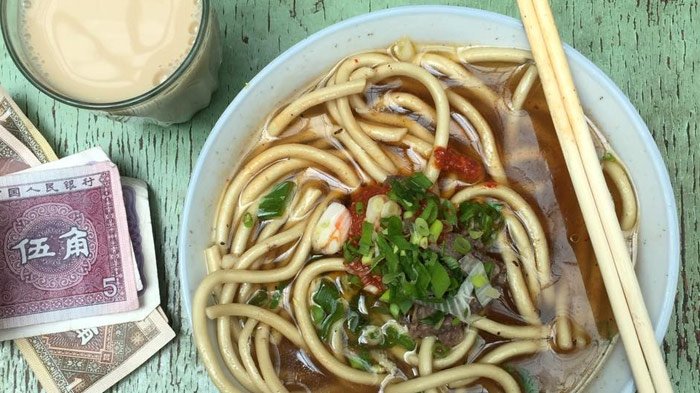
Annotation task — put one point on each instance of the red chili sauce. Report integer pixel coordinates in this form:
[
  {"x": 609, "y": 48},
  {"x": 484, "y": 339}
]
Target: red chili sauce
[
  {"x": 467, "y": 168},
  {"x": 359, "y": 199}
]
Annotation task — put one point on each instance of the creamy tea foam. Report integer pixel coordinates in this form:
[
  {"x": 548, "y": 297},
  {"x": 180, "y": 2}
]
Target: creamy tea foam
[{"x": 104, "y": 51}]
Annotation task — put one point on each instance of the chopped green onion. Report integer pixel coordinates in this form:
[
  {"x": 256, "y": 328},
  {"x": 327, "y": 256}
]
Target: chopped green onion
[
  {"x": 260, "y": 298},
  {"x": 317, "y": 314},
  {"x": 452, "y": 263},
  {"x": 248, "y": 220},
  {"x": 488, "y": 267},
  {"x": 275, "y": 202},
  {"x": 371, "y": 335},
  {"x": 275, "y": 299},
  {"x": 439, "y": 280},
  {"x": 366, "y": 238},
  {"x": 440, "y": 350},
  {"x": 361, "y": 361},
  {"x": 328, "y": 298},
  {"x": 462, "y": 245},
  {"x": 435, "y": 319},
  {"x": 394, "y": 310},
  {"x": 420, "y": 226},
  {"x": 608, "y": 157},
  {"x": 386, "y": 296},
  {"x": 479, "y": 280},
  {"x": 359, "y": 207},
  {"x": 435, "y": 230}
]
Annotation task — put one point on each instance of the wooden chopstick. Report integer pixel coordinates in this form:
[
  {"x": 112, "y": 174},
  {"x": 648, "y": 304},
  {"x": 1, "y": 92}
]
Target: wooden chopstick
[{"x": 594, "y": 198}]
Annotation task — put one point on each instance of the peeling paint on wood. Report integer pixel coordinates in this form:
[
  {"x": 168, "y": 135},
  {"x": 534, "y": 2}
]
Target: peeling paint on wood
[{"x": 650, "y": 49}]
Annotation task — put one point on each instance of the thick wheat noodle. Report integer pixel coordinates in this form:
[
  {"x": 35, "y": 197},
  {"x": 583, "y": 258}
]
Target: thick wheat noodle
[
  {"x": 267, "y": 368},
  {"x": 202, "y": 294},
  {"x": 484, "y": 54},
  {"x": 450, "y": 375},
  {"x": 442, "y": 107},
  {"x": 302, "y": 229},
  {"x": 457, "y": 353},
  {"x": 229, "y": 354},
  {"x": 524, "y": 86},
  {"x": 271, "y": 227},
  {"x": 322, "y": 144},
  {"x": 305, "y": 207},
  {"x": 456, "y": 72},
  {"x": 383, "y": 133},
  {"x": 393, "y": 99},
  {"x": 336, "y": 340},
  {"x": 332, "y": 108},
  {"x": 563, "y": 329},
  {"x": 423, "y": 148},
  {"x": 361, "y": 156},
  {"x": 311, "y": 99},
  {"x": 616, "y": 173},
  {"x": 260, "y": 249},
  {"x": 414, "y": 128},
  {"x": 516, "y": 282},
  {"x": 305, "y": 136},
  {"x": 300, "y": 207},
  {"x": 243, "y": 232},
  {"x": 524, "y": 212},
  {"x": 315, "y": 345},
  {"x": 505, "y": 352},
  {"x": 526, "y": 255},
  {"x": 340, "y": 154},
  {"x": 213, "y": 257},
  {"x": 398, "y": 159},
  {"x": 425, "y": 359},
  {"x": 244, "y": 349},
  {"x": 510, "y": 331},
  {"x": 260, "y": 314},
  {"x": 347, "y": 119},
  {"x": 225, "y": 326},
  {"x": 225, "y": 215},
  {"x": 447, "y": 51},
  {"x": 403, "y": 49},
  {"x": 487, "y": 141},
  {"x": 391, "y": 119},
  {"x": 449, "y": 185},
  {"x": 269, "y": 176}
]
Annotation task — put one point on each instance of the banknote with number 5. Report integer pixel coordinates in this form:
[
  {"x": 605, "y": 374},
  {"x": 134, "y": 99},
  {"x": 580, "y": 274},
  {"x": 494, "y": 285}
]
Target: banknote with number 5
[{"x": 65, "y": 246}]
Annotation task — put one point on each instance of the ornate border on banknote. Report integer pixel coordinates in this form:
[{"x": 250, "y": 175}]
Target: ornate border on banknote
[
  {"x": 12, "y": 119},
  {"x": 91, "y": 360}
]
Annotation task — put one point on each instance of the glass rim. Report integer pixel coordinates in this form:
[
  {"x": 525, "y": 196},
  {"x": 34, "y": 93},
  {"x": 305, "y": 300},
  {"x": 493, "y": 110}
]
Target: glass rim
[{"x": 123, "y": 104}]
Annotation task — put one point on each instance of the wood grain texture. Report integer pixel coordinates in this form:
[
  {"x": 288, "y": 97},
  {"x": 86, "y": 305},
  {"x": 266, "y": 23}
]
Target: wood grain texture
[{"x": 651, "y": 49}]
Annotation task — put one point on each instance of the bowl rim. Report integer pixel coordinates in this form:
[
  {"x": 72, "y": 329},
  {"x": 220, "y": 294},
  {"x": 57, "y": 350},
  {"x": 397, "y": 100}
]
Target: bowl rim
[{"x": 660, "y": 326}]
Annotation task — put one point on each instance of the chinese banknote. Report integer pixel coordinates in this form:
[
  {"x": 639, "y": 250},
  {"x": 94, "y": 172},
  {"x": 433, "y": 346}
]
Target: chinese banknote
[{"x": 78, "y": 278}]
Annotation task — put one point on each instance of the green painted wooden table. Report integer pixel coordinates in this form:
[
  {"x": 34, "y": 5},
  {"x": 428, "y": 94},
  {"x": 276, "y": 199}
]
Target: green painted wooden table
[{"x": 650, "y": 49}]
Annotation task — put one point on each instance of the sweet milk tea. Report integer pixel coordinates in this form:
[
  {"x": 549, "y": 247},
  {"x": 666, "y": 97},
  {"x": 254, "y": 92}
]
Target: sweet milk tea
[{"x": 105, "y": 51}]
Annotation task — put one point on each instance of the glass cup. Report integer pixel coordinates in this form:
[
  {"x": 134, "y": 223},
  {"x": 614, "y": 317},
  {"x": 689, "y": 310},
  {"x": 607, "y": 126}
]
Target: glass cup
[{"x": 175, "y": 100}]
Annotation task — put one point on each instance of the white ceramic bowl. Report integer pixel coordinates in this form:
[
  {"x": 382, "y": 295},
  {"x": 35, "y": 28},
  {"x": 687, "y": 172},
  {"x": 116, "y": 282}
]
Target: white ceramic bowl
[{"x": 608, "y": 107}]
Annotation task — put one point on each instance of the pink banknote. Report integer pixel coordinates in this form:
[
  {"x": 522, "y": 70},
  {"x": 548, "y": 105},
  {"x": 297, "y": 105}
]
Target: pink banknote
[{"x": 65, "y": 246}]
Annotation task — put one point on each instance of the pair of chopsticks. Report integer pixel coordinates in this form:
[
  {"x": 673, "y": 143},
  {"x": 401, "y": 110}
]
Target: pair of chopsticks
[{"x": 594, "y": 198}]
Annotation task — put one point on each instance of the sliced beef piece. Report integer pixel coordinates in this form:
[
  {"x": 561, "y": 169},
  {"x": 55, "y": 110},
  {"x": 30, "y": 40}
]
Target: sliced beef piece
[{"x": 447, "y": 333}]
